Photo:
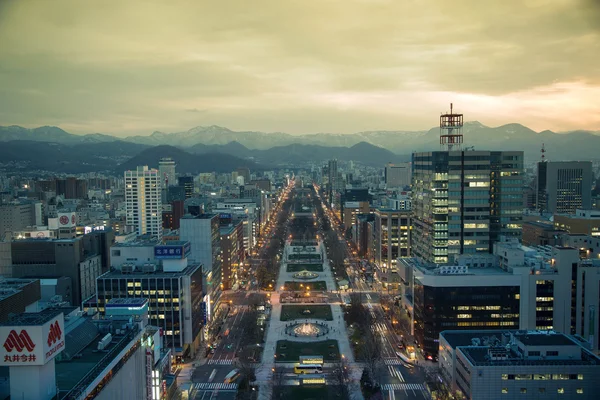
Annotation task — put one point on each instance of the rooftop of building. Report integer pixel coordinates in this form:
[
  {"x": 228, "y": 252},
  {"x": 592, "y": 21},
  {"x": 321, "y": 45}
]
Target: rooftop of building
[
  {"x": 478, "y": 345},
  {"x": 28, "y": 319},
  {"x": 131, "y": 301},
  {"x": 81, "y": 362},
  {"x": 175, "y": 242},
  {"x": 227, "y": 229},
  {"x": 159, "y": 273},
  {"x": 201, "y": 216},
  {"x": 139, "y": 241},
  {"x": 11, "y": 286},
  {"x": 545, "y": 225}
]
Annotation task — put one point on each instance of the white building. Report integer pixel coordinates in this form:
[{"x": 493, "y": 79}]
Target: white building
[
  {"x": 518, "y": 365},
  {"x": 397, "y": 175},
  {"x": 143, "y": 201}
]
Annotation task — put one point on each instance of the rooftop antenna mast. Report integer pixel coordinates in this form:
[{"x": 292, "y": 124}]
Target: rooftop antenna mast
[
  {"x": 451, "y": 137},
  {"x": 543, "y": 151}
]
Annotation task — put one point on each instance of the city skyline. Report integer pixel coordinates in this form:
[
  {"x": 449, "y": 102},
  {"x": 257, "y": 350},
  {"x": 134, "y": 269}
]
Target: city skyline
[{"x": 309, "y": 67}]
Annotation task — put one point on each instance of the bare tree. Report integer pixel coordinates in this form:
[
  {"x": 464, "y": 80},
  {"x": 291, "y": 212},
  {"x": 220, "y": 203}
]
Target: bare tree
[
  {"x": 371, "y": 353},
  {"x": 280, "y": 390},
  {"x": 439, "y": 387},
  {"x": 340, "y": 379}
]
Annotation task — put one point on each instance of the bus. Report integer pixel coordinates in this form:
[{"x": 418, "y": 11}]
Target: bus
[
  {"x": 308, "y": 369},
  {"x": 232, "y": 376}
]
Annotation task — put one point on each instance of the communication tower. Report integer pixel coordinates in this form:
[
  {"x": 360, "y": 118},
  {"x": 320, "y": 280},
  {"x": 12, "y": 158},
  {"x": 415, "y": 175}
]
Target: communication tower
[{"x": 451, "y": 137}]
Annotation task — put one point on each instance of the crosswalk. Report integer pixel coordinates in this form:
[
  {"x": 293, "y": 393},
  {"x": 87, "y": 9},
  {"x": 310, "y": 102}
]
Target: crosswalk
[
  {"x": 403, "y": 386},
  {"x": 220, "y": 362},
  {"x": 379, "y": 327},
  {"x": 368, "y": 296},
  {"x": 392, "y": 361},
  {"x": 215, "y": 386}
]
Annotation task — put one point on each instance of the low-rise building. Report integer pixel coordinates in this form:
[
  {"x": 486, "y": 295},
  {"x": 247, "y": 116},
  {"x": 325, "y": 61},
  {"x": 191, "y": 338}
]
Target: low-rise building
[
  {"x": 518, "y": 364},
  {"x": 586, "y": 222},
  {"x": 18, "y": 296}
]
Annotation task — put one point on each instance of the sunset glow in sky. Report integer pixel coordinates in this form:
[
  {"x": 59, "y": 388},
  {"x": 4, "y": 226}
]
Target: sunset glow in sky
[{"x": 132, "y": 67}]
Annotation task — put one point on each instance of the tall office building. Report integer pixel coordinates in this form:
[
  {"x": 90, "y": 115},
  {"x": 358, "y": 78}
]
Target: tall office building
[
  {"x": 187, "y": 182},
  {"x": 397, "y": 175},
  {"x": 333, "y": 174},
  {"x": 166, "y": 167},
  {"x": 463, "y": 201},
  {"x": 564, "y": 186},
  {"x": 143, "y": 201}
]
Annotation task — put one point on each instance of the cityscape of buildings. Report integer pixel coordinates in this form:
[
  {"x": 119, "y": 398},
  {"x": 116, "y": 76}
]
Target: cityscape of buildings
[{"x": 464, "y": 273}]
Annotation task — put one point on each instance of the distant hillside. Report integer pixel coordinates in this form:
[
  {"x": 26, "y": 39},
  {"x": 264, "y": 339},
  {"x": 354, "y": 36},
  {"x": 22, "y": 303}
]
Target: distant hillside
[
  {"x": 61, "y": 158},
  {"x": 575, "y": 145},
  {"x": 187, "y": 162}
]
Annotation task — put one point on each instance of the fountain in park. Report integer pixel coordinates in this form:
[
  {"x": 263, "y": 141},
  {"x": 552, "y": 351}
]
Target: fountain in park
[
  {"x": 305, "y": 275},
  {"x": 307, "y": 329}
]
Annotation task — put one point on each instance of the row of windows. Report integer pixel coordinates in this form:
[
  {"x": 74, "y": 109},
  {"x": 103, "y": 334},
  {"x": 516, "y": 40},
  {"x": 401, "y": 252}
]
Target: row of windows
[
  {"x": 543, "y": 390},
  {"x": 542, "y": 377}
]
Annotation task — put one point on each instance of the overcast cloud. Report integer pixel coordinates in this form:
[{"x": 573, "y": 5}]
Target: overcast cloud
[{"x": 131, "y": 67}]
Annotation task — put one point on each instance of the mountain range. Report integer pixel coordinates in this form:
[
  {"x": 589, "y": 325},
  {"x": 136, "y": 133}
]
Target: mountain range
[{"x": 29, "y": 147}]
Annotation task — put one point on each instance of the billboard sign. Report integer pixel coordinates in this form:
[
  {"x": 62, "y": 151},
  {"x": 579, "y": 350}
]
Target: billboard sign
[
  {"x": 224, "y": 216},
  {"x": 26, "y": 345},
  {"x": 67, "y": 220},
  {"x": 172, "y": 252},
  {"x": 204, "y": 312}
]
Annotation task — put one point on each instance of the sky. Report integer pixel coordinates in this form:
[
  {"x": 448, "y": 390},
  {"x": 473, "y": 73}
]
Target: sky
[{"x": 298, "y": 66}]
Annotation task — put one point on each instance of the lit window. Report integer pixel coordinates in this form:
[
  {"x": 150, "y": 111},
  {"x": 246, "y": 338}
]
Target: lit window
[
  {"x": 561, "y": 390},
  {"x": 504, "y": 377},
  {"x": 580, "y": 377},
  {"x": 579, "y": 390},
  {"x": 504, "y": 390},
  {"x": 523, "y": 390}
]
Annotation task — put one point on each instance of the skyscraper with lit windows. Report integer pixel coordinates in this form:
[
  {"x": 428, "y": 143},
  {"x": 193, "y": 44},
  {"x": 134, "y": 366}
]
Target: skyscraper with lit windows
[{"x": 143, "y": 201}]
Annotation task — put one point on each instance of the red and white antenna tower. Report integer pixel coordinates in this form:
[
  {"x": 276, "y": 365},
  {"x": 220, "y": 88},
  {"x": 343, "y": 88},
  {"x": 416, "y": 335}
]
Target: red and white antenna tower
[
  {"x": 543, "y": 151},
  {"x": 451, "y": 137}
]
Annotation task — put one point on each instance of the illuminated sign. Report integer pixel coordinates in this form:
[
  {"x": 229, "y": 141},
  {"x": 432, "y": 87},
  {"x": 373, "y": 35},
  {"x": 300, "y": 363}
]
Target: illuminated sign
[
  {"x": 224, "y": 216},
  {"x": 204, "y": 312},
  {"x": 172, "y": 252}
]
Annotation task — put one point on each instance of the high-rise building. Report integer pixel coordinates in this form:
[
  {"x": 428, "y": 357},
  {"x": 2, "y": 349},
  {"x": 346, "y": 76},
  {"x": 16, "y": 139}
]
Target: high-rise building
[
  {"x": 392, "y": 237},
  {"x": 332, "y": 172},
  {"x": 143, "y": 201},
  {"x": 15, "y": 217},
  {"x": 244, "y": 172},
  {"x": 397, "y": 175},
  {"x": 166, "y": 167},
  {"x": 203, "y": 233},
  {"x": 564, "y": 186},
  {"x": 463, "y": 201},
  {"x": 354, "y": 201},
  {"x": 187, "y": 182}
]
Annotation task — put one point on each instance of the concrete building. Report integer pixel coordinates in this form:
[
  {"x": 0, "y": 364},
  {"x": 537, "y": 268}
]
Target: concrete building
[
  {"x": 564, "y": 186},
  {"x": 586, "y": 222},
  {"x": 203, "y": 233},
  {"x": 354, "y": 201},
  {"x": 401, "y": 202},
  {"x": 79, "y": 259},
  {"x": 232, "y": 248},
  {"x": 18, "y": 296},
  {"x": 15, "y": 217},
  {"x": 392, "y": 237},
  {"x": 187, "y": 182},
  {"x": 518, "y": 365},
  {"x": 540, "y": 234},
  {"x": 544, "y": 288},
  {"x": 166, "y": 169},
  {"x": 84, "y": 358},
  {"x": 397, "y": 175},
  {"x": 143, "y": 201},
  {"x": 173, "y": 288},
  {"x": 463, "y": 201}
]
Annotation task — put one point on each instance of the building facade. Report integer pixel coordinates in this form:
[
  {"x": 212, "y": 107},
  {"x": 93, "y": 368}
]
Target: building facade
[
  {"x": 397, "y": 175},
  {"x": 463, "y": 201},
  {"x": 585, "y": 222},
  {"x": 564, "y": 186},
  {"x": 518, "y": 364},
  {"x": 143, "y": 201}
]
